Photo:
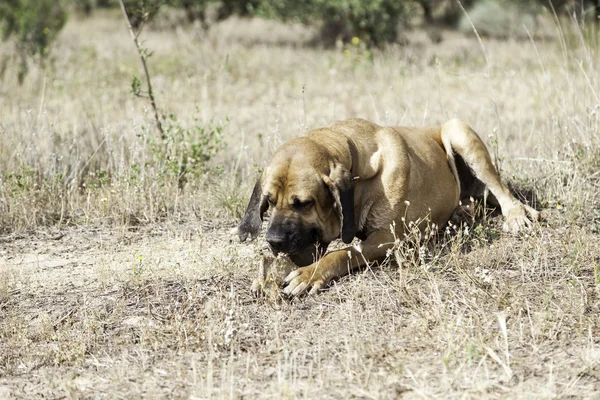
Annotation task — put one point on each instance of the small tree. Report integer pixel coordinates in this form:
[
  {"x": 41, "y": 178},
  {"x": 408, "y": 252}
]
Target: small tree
[
  {"x": 136, "y": 16},
  {"x": 181, "y": 150},
  {"x": 34, "y": 24},
  {"x": 140, "y": 12}
]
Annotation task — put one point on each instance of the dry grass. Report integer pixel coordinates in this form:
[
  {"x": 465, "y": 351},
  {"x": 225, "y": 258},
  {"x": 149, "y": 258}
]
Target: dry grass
[{"x": 115, "y": 284}]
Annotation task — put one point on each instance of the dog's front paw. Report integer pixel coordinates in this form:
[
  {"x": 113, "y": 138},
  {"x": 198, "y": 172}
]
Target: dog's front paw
[
  {"x": 520, "y": 217},
  {"x": 304, "y": 278}
]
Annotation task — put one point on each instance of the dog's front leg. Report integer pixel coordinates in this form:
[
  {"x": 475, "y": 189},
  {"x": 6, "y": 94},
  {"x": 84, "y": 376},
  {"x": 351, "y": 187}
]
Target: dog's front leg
[{"x": 338, "y": 263}]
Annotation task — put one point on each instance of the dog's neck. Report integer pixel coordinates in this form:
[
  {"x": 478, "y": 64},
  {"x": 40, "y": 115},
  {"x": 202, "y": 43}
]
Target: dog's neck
[{"x": 362, "y": 158}]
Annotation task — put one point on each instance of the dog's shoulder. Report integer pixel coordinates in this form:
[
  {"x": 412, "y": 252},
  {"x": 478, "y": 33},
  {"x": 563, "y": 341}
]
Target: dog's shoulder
[{"x": 355, "y": 127}]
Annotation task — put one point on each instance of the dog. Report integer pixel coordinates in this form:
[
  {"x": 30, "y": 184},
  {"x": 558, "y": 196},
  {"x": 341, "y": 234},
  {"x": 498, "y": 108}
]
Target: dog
[{"x": 355, "y": 178}]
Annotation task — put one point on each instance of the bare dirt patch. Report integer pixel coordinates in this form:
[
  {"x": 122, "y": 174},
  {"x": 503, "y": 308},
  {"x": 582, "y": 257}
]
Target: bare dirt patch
[{"x": 168, "y": 311}]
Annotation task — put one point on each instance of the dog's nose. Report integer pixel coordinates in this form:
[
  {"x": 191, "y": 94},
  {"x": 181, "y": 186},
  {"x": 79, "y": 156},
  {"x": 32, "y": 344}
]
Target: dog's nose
[{"x": 277, "y": 243}]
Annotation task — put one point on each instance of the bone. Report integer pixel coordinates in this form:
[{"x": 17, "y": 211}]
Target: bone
[{"x": 272, "y": 271}]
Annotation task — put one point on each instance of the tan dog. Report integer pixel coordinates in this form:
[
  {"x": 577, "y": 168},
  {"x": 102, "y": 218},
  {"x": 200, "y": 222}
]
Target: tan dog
[{"x": 355, "y": 178}]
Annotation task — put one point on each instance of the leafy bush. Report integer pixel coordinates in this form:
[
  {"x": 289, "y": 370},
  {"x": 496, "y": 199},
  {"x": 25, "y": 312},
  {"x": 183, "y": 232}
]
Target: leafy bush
[
  {"x": 374, "y": 22},
  {"x": 223, "y": 9},
  {"x": 513, "y": 18},
  {"x": 500, "y": 18},
  {"x": 187, "y": 150},
  {"x": 34, "y": 24},
  {"x": 142, "y": 11},
  {"x": 443, "y": 11}
]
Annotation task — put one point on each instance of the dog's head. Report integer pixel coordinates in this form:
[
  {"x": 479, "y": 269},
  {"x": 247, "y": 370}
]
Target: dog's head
[{"x": 311, "y": 198}]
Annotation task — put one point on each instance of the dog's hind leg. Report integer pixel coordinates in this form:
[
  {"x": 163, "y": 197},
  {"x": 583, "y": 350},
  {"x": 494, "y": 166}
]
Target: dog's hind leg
[{"x": 458, "y": 137}]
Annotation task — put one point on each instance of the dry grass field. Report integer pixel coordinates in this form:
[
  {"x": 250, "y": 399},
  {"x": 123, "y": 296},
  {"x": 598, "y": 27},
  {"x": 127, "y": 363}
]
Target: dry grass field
[{"x": 116, "y": 284}]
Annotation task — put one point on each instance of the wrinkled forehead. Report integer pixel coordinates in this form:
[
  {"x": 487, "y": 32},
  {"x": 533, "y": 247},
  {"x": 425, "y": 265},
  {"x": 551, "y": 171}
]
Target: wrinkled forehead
[{"x": 289, "y": 179}]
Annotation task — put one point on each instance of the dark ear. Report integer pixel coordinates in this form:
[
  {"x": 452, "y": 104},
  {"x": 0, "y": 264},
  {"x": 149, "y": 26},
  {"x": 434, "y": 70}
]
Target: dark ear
[
  {"x": 341, "y": 185},
  {"x": 252, "y": 220}
]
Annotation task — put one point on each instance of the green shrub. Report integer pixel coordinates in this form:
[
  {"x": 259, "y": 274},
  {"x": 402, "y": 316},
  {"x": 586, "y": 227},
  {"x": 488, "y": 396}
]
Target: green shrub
[
  {"x": 210, "y": 11},
  {"x": 34, "y": 24},
  {"x": 375, "y": 22},
  {"x": 500, "y": 18},
  {"x": 185, "y": 150},
  {"x": 447, "y": 12}
]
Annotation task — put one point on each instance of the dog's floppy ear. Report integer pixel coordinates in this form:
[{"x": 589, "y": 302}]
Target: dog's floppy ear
[
  {"x": 341, "y": 186},
  {"x": 252, "y": 220}
]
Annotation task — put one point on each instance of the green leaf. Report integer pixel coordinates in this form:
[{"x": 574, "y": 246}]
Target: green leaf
[{"x": 136, "y": 86}]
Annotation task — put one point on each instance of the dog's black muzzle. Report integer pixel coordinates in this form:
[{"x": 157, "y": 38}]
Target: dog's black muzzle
[{"x": 291, "y": 237}]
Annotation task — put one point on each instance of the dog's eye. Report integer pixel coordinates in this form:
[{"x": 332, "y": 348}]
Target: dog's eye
[{"x": 302, "y": 205}]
